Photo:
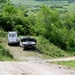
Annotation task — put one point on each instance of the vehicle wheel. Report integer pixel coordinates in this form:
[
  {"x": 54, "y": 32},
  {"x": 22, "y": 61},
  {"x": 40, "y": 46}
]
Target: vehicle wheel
[
  {"x": 34, "y": 48},
  {"x": 24, "y": 47},
  {"x": 20, "y": 44},
  {"x": 17, "y": 44},
  {"x": 9, "y": 44}
]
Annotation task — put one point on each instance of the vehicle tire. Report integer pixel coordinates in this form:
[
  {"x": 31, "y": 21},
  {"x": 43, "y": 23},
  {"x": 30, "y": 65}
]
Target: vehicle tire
[
  {"x": 18, "y": 43},
  {"x": 24, "y": 47},
  {"x": 9, "y": 44},
  {"x": 34, "y": 48}
]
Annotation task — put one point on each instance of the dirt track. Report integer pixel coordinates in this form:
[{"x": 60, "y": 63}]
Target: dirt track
[
  {"x": 29, "y": 55},
  {"x": 32, "y": 64},
  {"x": 31, "y": 68}
]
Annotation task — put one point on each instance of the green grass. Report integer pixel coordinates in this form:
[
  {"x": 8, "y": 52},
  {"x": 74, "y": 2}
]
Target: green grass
[
  {"x": 5, "y": 58},
  {"x": 5, "y": 54},
  {"x": 50, "y": 50},
  {"x": 2, "y": 33},
  {"x": 70, "y": 64}
]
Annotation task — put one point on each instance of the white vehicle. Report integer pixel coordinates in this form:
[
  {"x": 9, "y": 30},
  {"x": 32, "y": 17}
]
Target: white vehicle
[{"x": 12, "y": 38}]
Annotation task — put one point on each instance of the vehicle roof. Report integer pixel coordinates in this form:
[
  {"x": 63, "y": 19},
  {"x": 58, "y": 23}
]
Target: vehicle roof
[
  {"x": 27, "y": 37},
  {"x": 12, "y": 32}
]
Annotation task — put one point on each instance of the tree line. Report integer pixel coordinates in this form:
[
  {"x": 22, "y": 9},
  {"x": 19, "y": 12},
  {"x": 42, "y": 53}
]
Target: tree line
[{"x": 57, "y": 0}]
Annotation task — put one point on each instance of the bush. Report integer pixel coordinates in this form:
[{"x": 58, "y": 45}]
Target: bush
[
  {"x": 48, "y": 48},
  {"x": 2, "y": 33},
  {"x": 63, "y": 38},
  {"x": 56, "y": 6},
  {"x": 4, "y": 52}
]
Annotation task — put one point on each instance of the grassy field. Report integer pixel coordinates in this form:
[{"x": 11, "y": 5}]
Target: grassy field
[
  {"x": 4, "y": 53},
  {"x": 70, "y": 64},
  {"x": 37, "y": 3},
  {"x": 62, "y": 6},
  {"x": 71, "y": 7}
]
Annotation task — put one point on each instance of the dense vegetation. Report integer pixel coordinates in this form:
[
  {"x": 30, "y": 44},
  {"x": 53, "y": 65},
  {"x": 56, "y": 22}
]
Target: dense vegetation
[
  {"x": 54, "y": 27},
  {"x": 47, "y": 48},
  {"x": 4, "y": 53}
]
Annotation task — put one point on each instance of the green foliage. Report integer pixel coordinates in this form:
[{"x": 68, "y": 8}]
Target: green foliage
[
  {"x": 2, "y": 33},
  {"x": 70, "y": 64},
  {"x": 69, "y": 19},
  {"x": 59, "y": 33},
  {"x": 49, "y": 23},
  {"x": 4, "y": 53},
  {"x": 56, "y": 6},
  {"x": 19, "y": 29},
  {"x": 2, "y": 1},
  {"x": 50, "y": 17},
  {"x": 63, "y": 38},
  {"x": 48, "y": 48},
  {"x": 39, "y": 26},
  {"x": 9, "y": 8},
  {"x": 7, "y": 17}
]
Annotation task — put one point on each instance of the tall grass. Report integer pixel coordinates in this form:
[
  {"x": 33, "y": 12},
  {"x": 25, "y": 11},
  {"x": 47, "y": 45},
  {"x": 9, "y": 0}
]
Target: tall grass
[
  {"x": 49, "y": 49},
  {"x": 2, "y": 33},
  {"x": 5, "y": 54},
  {"x": 70, "y": 64}
]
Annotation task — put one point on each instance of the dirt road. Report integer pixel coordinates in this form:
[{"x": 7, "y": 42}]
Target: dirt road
[
  {"x": 30, "y": 55},
  {"x": 32, "y": 64},
  {"x": 31, "y": 68}
]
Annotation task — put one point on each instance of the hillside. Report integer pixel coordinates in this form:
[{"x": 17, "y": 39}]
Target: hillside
[
  {"x": 51, "y": 23},
  {"x": 54, "y": 30},
  {"x": 62, "y": 6}
]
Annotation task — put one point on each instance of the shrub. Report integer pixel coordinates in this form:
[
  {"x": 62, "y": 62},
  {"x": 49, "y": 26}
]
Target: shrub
[
  {"x": 56, "y": 6},
  {"x": 2, "y": 33},
  {"x": 5, "y": 52},
  {"x": 48, "y": 48},
  {"x": 63, "y": 38}
]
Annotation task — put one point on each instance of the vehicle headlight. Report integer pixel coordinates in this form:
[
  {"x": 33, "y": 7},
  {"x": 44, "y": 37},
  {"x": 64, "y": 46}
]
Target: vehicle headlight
[
  {"x": 33, "y": 43},
  {"x": 25, "y": 43}
]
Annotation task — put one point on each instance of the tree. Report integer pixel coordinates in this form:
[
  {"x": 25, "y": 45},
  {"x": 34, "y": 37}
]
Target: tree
[
  {"x": 2, "y": 1},
  {"x": 8, "y": 18},
  {"x": 69, "y": 21},
  {"x": 50, "y": 17}
]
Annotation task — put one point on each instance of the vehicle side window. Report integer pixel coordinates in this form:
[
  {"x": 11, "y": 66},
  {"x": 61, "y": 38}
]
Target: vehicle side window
[
  {"x": 33, "y": 40},
  {"x": 23, "y": 40},
  {"x": 28, "y": 40}
]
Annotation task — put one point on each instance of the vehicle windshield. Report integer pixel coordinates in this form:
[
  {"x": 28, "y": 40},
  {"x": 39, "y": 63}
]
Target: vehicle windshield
[
  {"x": 32, "y": 40},
  {"x": 23, "y": 40},
  {"x": 12, "y": 35},
  {"x": 28, "y": 39}
]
